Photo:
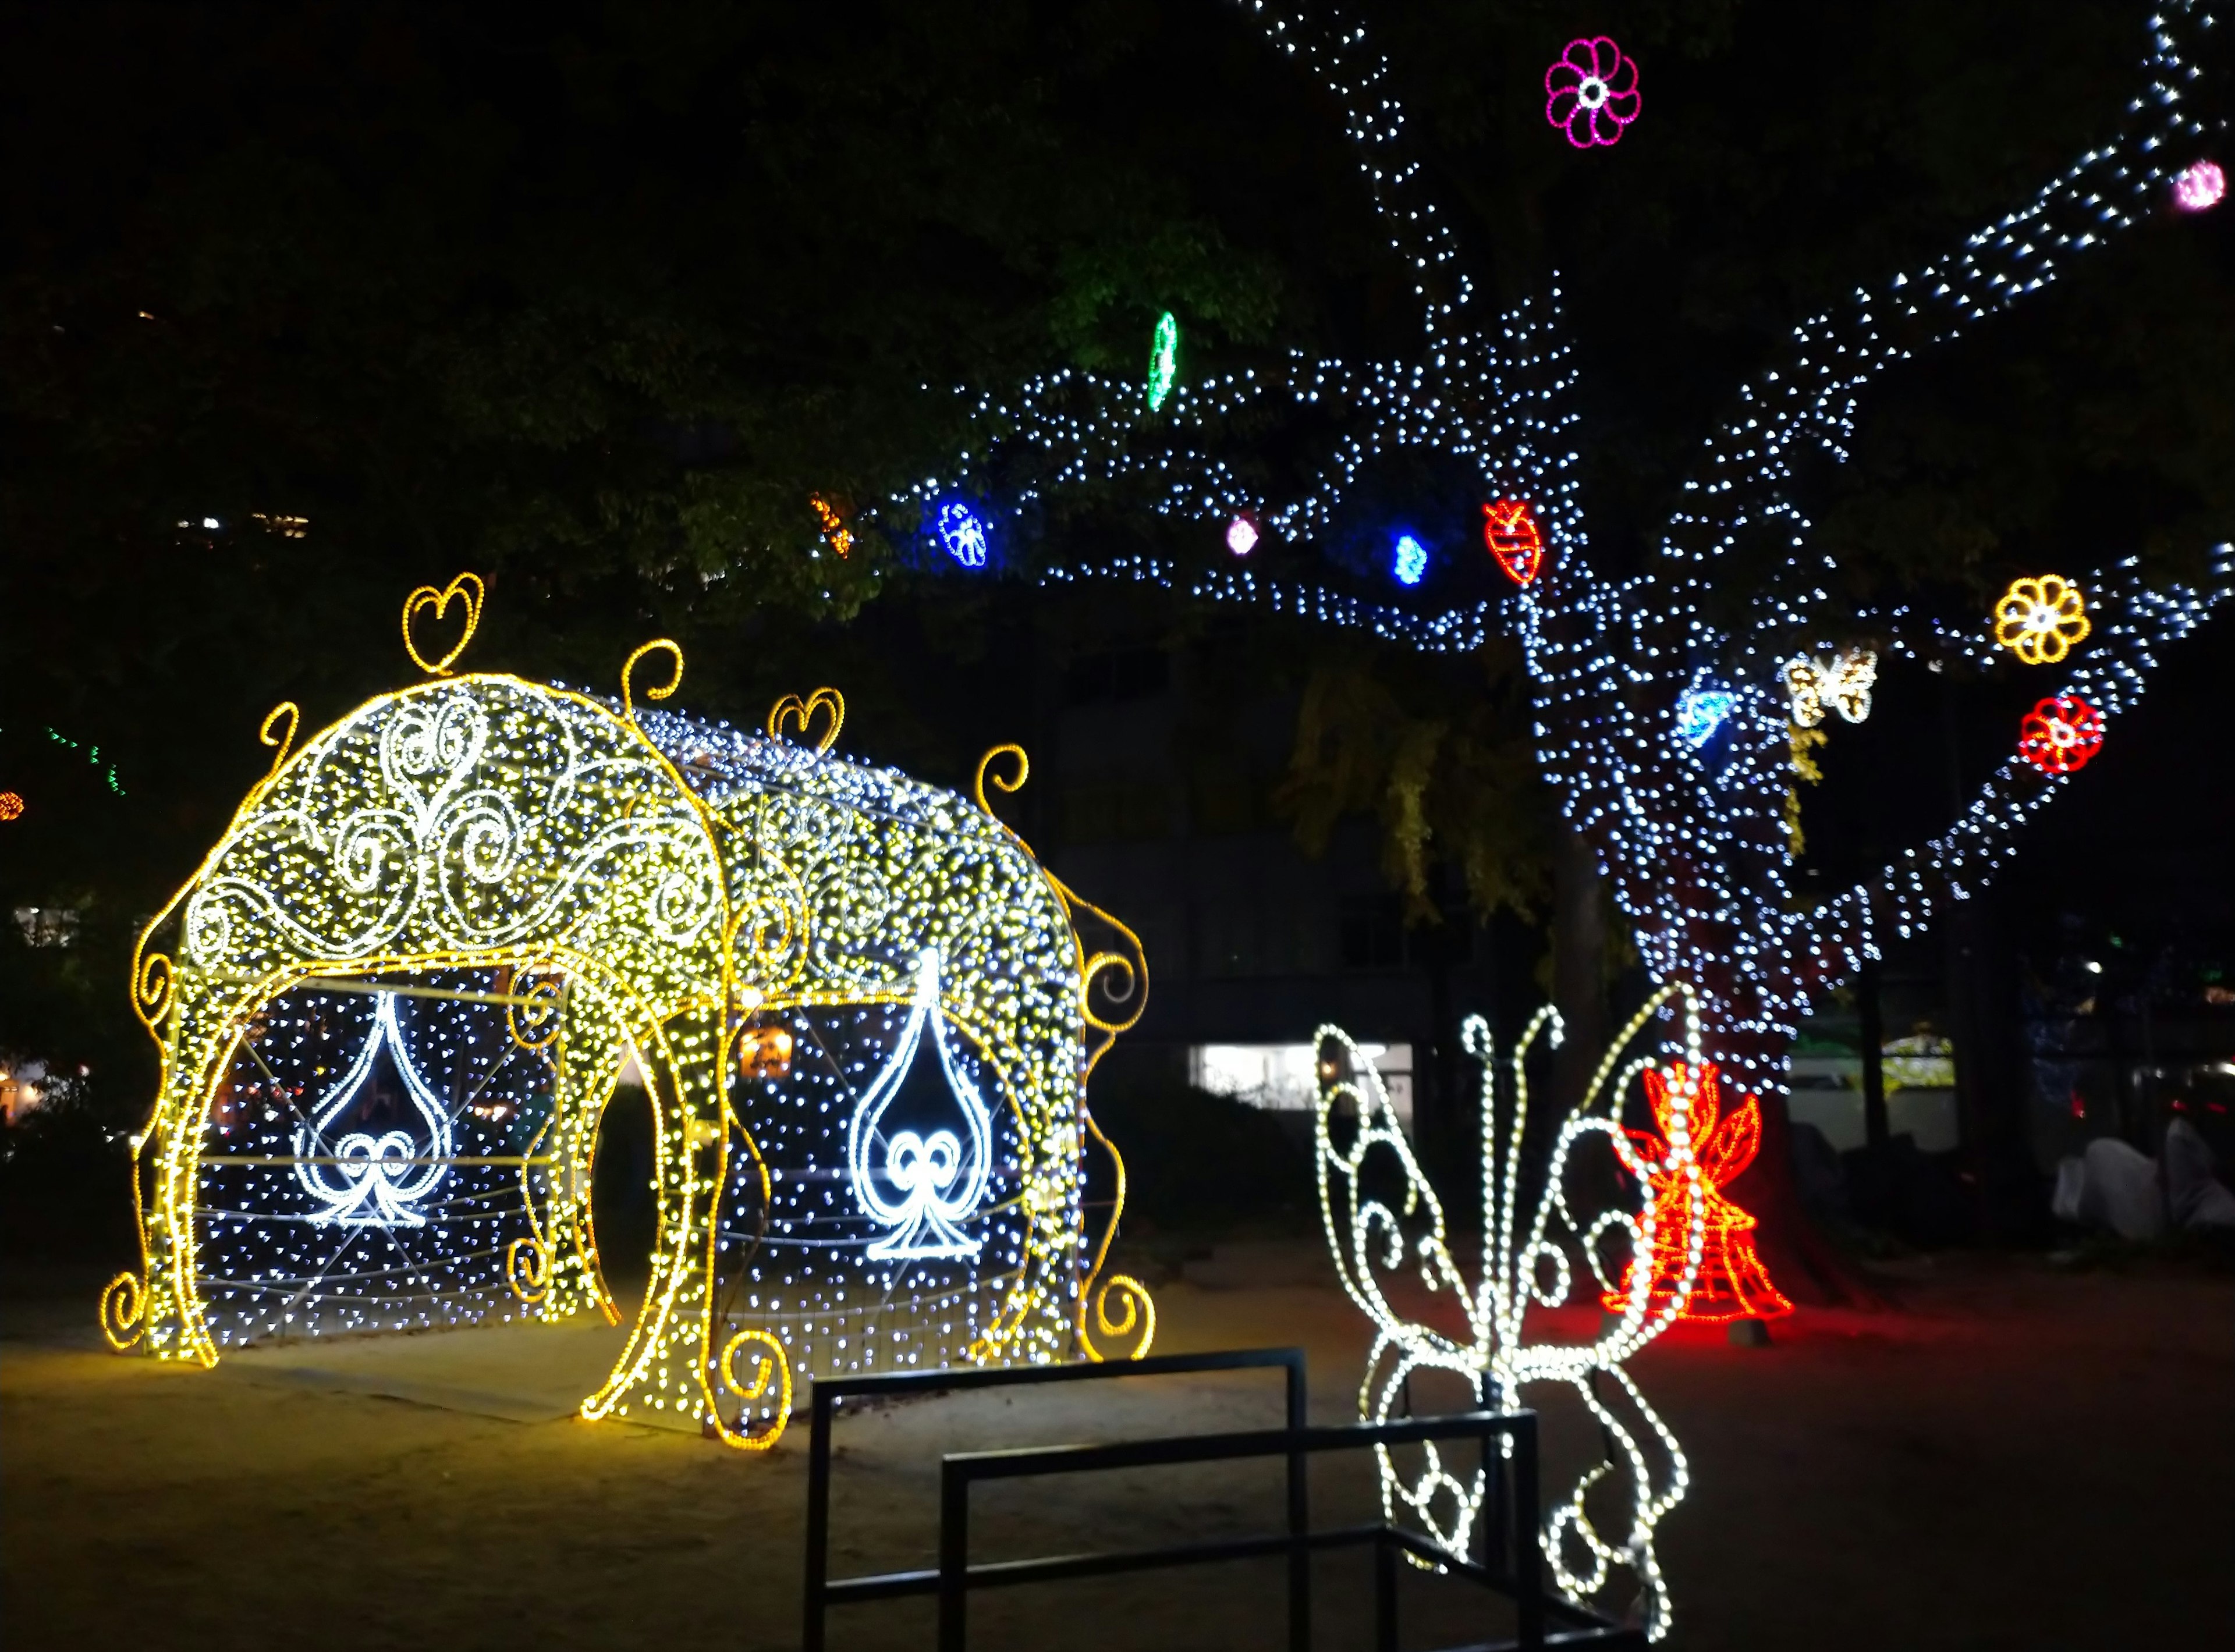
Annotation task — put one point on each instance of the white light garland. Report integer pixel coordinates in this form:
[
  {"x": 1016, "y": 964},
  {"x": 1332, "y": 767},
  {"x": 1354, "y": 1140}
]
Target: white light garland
[{"x": 1700, "y": 861}]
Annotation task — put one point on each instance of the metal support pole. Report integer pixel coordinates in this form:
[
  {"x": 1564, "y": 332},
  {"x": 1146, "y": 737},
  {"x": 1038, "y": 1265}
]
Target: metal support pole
[
  {"x": 1385, "y": 1594},
  {"x": 1870, "y": 1013},
  {"x": 818, "y": 1523},
  {"x": 1528, "y": 1551},
  {"x": 1490, "y": 1531},
  {"x": 954, "y": 1556},
  {"x": 1299, "y": 1522}
]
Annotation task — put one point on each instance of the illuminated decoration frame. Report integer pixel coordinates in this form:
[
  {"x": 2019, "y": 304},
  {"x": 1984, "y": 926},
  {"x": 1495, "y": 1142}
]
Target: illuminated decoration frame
[
  {"x": 1365, "y": 1163},
  {"x": 1716, "y": 1270},
  {"x": 1842, "y": 684},
  {"x": 2200, "y": 188},
  {"x": 961, "y": 533},
  {"x": 11, "y": 805},
  {"x": 1510, "y": 533},
  {"x": 2040, "y": 619},
  {"x": 2061, "y": 735},
  {"x": 836, "y": 534},
  {"x": 1408, "y": 560},
  {"x": 507, "y": 893},
  {"x": 1701, "y": 711},
  {"x": 1163, "y": 360},
  {"x": 1592, "y": 88},
  {"x": 1701, "y": 859}
]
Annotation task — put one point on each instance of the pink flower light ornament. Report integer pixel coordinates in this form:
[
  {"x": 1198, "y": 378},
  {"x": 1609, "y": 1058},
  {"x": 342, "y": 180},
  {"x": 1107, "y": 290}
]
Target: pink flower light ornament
[
  {"x": 1592, "y": 91},
  {"x": 2200, "y": 188}
]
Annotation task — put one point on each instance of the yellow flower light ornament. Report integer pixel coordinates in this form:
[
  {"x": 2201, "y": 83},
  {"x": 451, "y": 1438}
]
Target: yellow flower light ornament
[{"x": 2039, "y": 619}]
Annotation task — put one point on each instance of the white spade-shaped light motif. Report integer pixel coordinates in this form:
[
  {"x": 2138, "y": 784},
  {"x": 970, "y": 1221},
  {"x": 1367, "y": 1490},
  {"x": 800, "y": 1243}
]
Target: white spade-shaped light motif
[
  {"x": 936, "y": 1182},
  {"x": 373, "y": 1181}
]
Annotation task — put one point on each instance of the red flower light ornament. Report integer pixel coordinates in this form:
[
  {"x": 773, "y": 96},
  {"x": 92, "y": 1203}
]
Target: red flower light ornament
[
  {"x": 2059, "y": 736},
  {"x": 1509, "y": 528},
  {"x": 1591, "y": 93}
]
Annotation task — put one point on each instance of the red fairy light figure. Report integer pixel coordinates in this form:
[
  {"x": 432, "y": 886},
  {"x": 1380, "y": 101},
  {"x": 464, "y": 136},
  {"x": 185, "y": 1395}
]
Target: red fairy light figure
[{"x": 1732, "y": 1282}]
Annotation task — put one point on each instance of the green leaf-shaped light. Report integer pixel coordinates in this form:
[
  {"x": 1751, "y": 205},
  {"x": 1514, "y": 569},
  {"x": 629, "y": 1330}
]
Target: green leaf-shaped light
[{"x": 1163, "y": 360}]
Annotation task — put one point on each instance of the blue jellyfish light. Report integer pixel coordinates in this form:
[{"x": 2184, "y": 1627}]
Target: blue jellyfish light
[
  {"x": 1411, "y": 561},
  {"x": 961, "y": 534},
  {"x": 1701, "y": 711}
]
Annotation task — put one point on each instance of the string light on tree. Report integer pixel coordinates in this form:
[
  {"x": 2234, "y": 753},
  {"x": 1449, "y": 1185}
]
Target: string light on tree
[
  {"x": 1700, "y": 864},
  {"x": 2039, "y": 619},
  {"x": 11, "y": 805},
  {"x": 2061, "y": 735},
  {"x": 92, "y": 756}
]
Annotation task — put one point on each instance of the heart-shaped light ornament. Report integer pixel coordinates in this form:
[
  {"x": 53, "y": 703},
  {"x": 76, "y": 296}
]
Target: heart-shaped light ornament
[{"x": 466, "y": 588}]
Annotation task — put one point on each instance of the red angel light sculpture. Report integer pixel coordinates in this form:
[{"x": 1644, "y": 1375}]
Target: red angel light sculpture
[{"x": 1731, "y": 1282}]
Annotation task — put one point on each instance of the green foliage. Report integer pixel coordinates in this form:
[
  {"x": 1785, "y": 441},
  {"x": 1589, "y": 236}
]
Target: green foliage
[{"x": 1440, "y": 757}]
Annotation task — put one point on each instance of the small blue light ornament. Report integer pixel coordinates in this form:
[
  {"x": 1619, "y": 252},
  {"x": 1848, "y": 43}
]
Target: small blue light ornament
[
  {"x": 961, "y": 534},
  {"x": 1701, "y": 711},
  {"x": 1411, "y": 561}
]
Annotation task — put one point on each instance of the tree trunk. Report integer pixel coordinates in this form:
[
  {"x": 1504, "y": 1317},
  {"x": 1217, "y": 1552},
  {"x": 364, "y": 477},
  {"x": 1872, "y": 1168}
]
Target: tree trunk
[
  {"x": 1579, "y": 943},
  {"x": 1805, "y": 1264}
]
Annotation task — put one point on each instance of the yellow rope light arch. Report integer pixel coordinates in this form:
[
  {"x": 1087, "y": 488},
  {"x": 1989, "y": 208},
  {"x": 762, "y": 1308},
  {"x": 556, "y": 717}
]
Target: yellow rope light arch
[{"x": 396, "y": 997}]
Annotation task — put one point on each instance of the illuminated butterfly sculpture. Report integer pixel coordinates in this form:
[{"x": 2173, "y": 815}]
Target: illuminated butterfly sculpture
[
  {"x": 1687, "y": 817},
  {"x": 1842, "y": 684},
  {"x": 1385, "y": 1221}
]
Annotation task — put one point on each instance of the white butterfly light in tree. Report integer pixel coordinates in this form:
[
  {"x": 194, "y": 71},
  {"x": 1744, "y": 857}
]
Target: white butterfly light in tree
[
  {"x": 365, "y": 1180},
  {"x": 1842, "y": 683},
  {"x": 938, "y": 1178},
  {"x": 1384, "y": 1220}
]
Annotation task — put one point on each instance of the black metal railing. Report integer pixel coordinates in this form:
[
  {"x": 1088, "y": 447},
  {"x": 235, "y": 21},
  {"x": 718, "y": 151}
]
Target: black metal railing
[
  {"x": 1518, "y": 1574},
  {"x": 823, "y": 1591}
]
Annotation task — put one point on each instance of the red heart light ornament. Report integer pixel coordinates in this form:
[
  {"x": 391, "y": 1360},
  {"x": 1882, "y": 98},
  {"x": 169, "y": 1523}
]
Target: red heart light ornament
[
  {"x": 1509, "y": 528},
  {"x": 2059, "y": 736}
]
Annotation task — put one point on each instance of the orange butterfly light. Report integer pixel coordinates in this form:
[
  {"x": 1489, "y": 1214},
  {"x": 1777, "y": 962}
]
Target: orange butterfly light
[{"x": 1732, "y": 1282}]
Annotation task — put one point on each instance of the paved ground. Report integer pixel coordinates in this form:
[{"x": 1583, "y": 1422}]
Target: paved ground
[{"x": 2016, "y": 1457}]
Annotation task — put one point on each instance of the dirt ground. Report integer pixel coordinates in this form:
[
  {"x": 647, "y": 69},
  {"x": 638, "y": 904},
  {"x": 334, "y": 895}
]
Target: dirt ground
[{"x": 2016, "y": 1457}]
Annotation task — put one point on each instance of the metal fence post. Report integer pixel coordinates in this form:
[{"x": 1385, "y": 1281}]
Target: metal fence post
[
  {"x": 1299, "y": 1519},
  {"x": 1528, "y": 1536},
  {"x": 818, "y": 1520},
  {"x": 954, "y": 1556},
  {"x": 1385, "y": 1594}
]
